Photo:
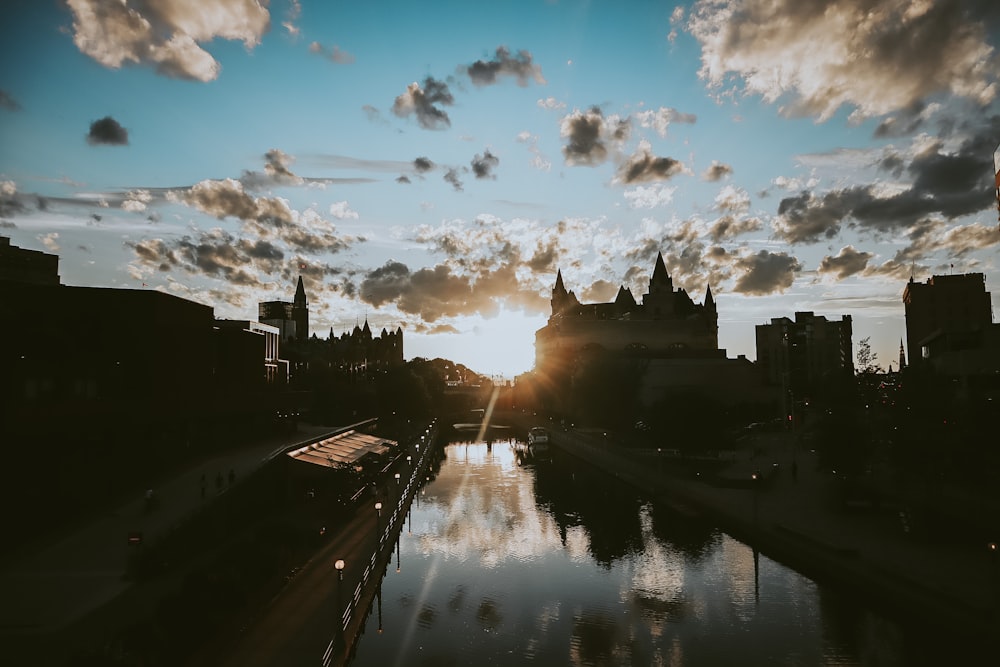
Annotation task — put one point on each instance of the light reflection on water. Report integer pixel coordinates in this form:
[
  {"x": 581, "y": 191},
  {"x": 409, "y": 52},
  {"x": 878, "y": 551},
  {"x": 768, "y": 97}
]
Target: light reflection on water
[{"x": 507, "y": 564}]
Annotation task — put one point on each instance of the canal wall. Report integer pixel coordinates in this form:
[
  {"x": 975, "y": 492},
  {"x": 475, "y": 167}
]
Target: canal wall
[{"x": 791, "y": 519}]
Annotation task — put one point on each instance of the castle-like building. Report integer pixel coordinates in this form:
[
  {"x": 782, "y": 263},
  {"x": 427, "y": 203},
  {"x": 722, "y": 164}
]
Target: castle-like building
[
  {"x": 667, "y": 324},
  {"x": 356, "y": 351}
]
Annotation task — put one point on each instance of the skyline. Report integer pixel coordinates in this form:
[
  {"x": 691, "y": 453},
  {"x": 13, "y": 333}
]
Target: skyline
[{"x": 434, "y": 168}]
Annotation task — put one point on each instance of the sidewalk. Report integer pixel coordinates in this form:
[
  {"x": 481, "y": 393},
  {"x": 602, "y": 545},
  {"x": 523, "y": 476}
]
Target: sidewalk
[{"x": 61, "y": 582}]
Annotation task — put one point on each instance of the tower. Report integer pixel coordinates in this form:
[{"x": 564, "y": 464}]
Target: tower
[
  {"x": 659, "y": 301},
  {"x": 902, "y": 356},
  {"x": 300, "y": 312}
]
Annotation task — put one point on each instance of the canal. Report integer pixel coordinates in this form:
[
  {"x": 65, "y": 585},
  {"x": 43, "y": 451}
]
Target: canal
[{"x": 503, "y": 560}]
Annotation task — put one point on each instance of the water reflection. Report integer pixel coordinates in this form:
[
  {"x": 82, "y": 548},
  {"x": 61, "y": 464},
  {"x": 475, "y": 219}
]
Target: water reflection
[{"x": 509, "y": 561}]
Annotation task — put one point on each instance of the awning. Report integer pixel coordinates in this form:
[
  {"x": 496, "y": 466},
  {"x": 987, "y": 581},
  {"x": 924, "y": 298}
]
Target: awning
[{"x": 342, "y": 449}]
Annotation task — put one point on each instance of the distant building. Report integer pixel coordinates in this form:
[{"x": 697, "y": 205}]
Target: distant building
[
  {"x": 803, "y": 354},
  {"x": 360, "y": 351},
  {"x": 290, "y": 318},
  {"x": 667, "y": 324},
  {"x": 671, "y": 342},
  {"x": 27, "y": 266}
]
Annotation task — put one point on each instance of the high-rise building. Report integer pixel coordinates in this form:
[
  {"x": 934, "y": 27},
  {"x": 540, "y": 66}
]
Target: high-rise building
[
  {"x": 803, "y": 354},
  {"x": 949, "y": 311},
  {"x": 30, "y": 267},
  {"x": 290, "y": 317}
]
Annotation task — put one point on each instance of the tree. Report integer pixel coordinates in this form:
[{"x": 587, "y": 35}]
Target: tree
[{"x": 867, "y": 360}]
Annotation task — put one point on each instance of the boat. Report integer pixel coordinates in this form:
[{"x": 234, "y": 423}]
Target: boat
[{"x": 538, "y": 435}]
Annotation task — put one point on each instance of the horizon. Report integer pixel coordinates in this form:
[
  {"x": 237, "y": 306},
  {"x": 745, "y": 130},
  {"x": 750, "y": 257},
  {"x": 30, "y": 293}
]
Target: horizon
[{"x": 433, "y": 169}]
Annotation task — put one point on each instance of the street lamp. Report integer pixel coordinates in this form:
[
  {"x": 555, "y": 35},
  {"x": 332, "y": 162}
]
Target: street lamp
[
  {"x": 755, "y": 480},
  {"x": 378, "y": 522},
  {"x": 339, "y": 565},
  {"x": 397, "y": 478},
  {"x": 409, "y": 460}
]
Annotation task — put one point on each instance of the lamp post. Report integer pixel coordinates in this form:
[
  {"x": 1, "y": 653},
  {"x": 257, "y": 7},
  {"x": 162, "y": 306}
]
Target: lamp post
[
  {"x": 339, "y": 565},
  {"x": 378, "y": 522},
  {"x": 409, "y": 460},
  {"x": 755, "y": 481},
  {"x": 397, "y": 478}
]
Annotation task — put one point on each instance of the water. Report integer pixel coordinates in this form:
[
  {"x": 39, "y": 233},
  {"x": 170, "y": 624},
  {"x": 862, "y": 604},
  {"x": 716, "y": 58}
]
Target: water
[{"x": 506, "y": 562}]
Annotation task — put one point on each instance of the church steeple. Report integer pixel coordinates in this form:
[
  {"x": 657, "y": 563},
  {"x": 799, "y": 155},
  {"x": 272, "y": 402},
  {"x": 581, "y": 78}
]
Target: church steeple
[
  {"x": 559, "y": 289},
  {"x": 661, "y": 280},
  {"x": 300, "y": 312},
  {"x": 709, "y": 301},
  {"x": 902, "y": 355}
]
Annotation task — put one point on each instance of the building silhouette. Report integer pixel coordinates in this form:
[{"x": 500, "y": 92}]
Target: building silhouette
[
  {"x": 666, "y": 324},
  {"x": 667, "y": 344},
  {"x": 803, "y": 355},
  {"x": 27, "y": 266},
  {"x": 946, "y": 313},
  {"x": 290, "y": 317}
]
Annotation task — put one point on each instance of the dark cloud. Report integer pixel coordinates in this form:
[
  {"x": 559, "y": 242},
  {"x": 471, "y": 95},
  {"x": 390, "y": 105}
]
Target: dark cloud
[
  {"x": 403, "y": 179},
  {"x": 589, "y": 135},
  {"x": 483, "y": 165},
  {"x": 520, "y": 66},
  {"x": 717, "y": 171},
  {"x": 905, "y": 123},
  {"x": 848, "y": 262},
  {"x": 949, "y": 184},
  {"x": 107, "y": 131},
  {"x": 422, "y": 165},
  {"x": 451, "y": 176},
  {"x": 731, "y": 226},
  {"x": 8, "y": 102},
  {"x": 765, "y": 273},
  {"x": 436, "y": 292},
  {"x": 643, "y": 167},
  {"x": 422, "y": 102}
]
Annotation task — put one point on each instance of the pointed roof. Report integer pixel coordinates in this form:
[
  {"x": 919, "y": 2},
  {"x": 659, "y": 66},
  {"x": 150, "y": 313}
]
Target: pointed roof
[
  {"x": 708, "y": 296},
  {"x": 367, "y": 329},
  {"x": 660, "y": 270},
  {"x": 624, "y": 296},
  {"x": 300, "y": 294},
  {"x": 559, "y": 282}
]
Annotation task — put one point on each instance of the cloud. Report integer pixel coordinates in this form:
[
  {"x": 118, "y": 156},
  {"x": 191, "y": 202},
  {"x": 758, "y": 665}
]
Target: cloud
[
  {"x": 848, "y": 262},
  {"x": 165, "y": 34},
  {"x": 877, "y": 56},
  {"x": 334, "y": 54},
  {"x": 136, "y": 201},
  {"x": 436, "y": 292},
  {"x": 8, "y": 102},
  {"x": 264, "y": 217},
  {"x": 421, "y": 101},
  {"x": 107, "y": 131},
  {"x": 291, "y": 17},
  {"x": 422, "y": 165},
  {"x": 765, "y": 272},
  {"x": 50, "y": 241},
  {"x": 644, "y": 167},
  {"x": 483, "y": 165},
  {"x": 551, "y": 104},
  {"x": 716, "y": 171},
  {"x": 451, "y": 176},
  {"x": 519, "y": 66},
  {"x": 661, "y": 119},
  {"x": 538, "y": 160},
  {"x": 651, "y": 196},
  {"x": 590, "y": 136},
  {"x": 342, "y": 211},
  {"x": 946, "y": 182}
]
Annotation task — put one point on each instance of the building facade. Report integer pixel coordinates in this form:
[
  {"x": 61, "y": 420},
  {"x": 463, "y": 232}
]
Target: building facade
[
  {"x": 27, "y": 266},
  {"x": 802, "y": 355},
  {"x": 290, "y": 318},
  {"x": 945, "y": 312},
  {"x": 667, "y": 324}
]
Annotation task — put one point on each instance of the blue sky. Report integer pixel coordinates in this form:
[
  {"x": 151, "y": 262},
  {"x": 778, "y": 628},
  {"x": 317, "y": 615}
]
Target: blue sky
[{"x": 431, "y": 165}]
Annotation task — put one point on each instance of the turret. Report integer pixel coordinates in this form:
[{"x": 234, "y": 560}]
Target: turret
[{"x": 300, "y": 312}]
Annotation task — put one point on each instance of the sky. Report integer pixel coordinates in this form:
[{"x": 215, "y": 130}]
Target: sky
[{"x": 431, "y": 166}]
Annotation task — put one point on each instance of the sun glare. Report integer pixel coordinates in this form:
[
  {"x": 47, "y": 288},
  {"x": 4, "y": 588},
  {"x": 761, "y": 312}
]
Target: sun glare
[{"x": 499, "y": 346}]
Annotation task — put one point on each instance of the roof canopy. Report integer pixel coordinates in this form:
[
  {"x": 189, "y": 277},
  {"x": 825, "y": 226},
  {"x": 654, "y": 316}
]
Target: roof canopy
[{"x": 342, "y": 449}]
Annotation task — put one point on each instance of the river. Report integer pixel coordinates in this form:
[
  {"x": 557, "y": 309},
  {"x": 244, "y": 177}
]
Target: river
[{"x": 507, "y": 561}]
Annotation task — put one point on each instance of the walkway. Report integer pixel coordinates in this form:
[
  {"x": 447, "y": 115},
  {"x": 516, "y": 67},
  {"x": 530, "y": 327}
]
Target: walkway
[{"x": 58, "y": 584}]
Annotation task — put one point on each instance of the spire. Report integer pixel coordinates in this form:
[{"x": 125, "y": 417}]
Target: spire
[
  {"x": 902, "y": 355},
  {"x": 300, "y": 294},
  {"x": 660, "y": 270},
  {"x": 559, "y": 288},
  {"x": 709, "y": 301}
]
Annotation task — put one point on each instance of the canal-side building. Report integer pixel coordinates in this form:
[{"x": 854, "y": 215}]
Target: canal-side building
[{"x": 667, "y": 338}]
